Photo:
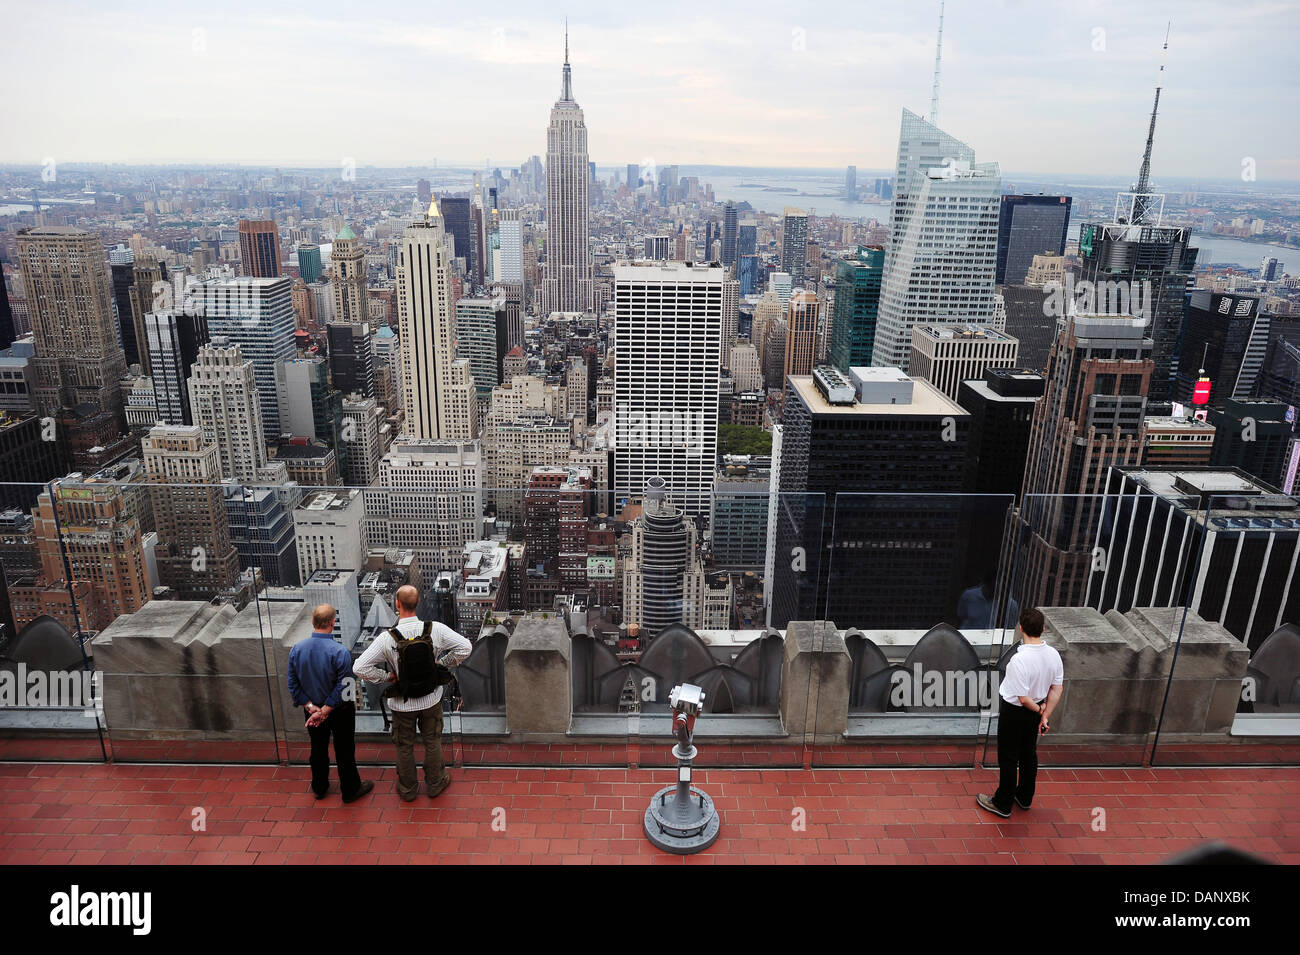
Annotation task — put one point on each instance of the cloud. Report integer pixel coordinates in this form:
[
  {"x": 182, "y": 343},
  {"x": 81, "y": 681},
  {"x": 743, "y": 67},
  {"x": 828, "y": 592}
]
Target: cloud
[{"x": 730, "y": 83}]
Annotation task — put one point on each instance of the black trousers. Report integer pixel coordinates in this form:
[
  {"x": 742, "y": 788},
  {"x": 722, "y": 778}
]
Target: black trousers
[
  {"x": 1017, "y": 749},
  {"x": 342, "y": 725}
]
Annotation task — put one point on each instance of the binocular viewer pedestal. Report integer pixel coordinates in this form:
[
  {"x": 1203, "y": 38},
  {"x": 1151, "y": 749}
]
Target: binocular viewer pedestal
[{"x": 681, "y": 818}]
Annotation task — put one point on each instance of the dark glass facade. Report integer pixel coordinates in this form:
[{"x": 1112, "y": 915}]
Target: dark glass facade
[
  {"x": 857, "y": 302},
  {"x": 1029, "y": 226}
]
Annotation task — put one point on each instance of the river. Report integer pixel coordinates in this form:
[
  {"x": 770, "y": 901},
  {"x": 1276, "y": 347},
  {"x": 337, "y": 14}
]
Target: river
[{"x": 824, "y": 194}]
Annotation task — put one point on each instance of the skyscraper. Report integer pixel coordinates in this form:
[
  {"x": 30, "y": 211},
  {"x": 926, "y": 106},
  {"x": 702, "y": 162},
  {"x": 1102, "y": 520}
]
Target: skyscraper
[
  {"x": 1151, "y": 265},
  {"x": 224, "y": 403},
  {"x": 145, "y": 296},
  {"x": 1029, "y": 226},
  {"x": 794, "y": 244},
  {"x": 78, "y": 359},
  {"x": 663, "y": 581},
  {"x": 351, "y": 293},
  {"x": 658, "y": 248},
  {"x": 309, "y": 407},
  {"x": 1209, "y": 539},
  {"x": 1226, "y": 337},
  {"x": 257, "y": 315},
  {"x": 120, "y": 262},
  {"x": 666, "y": 374},
  {"x": 456, "y": 222},
  {"x": 730, "y": 228},
  {"x": 195, "y": 556},
  {"x": 1146, "y": 262},
  {"x": 801, "y": 334},
  {"x": 362, "y": 440},
  {"x": 429, "y": 498},
  {"x": 84, "y": 528},
  {"x": 172, "y": 340},
  {"x": 510, "y": 228},
  {"x": 309, "y": 265},
  {"x": 1253, "y": 436},
  {"x": 259, "y": 248},
  {"x": 437, "y": 391},
  {"x": 480, "y": 333},
  {"x": 1091, "y": 418},
  {"x": 1001, "y": 404},
  {"x": 868, "y": 481},
  {"x": 747, "y": 262},
  {"x": 352, "y": 360},
  {"x": 568, "y": 286},
  {"x": 942, "y": 256},
  {"x": 7, "y": 332},
  {"x": 857, "y": 303},
  {"x": 730, "y": 317},
  {"x": 851, "y": 184},
  {"x": 947, "y": 355}
]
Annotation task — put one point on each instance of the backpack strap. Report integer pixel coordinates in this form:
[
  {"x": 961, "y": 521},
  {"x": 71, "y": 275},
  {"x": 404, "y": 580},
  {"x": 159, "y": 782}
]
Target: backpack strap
[
  {"x": 396, "y": 634},
  {"x": 428, "y": 631}
]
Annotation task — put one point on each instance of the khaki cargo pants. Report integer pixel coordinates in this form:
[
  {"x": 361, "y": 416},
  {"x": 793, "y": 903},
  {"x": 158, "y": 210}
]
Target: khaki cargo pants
[{"x": 429, "y": 723}]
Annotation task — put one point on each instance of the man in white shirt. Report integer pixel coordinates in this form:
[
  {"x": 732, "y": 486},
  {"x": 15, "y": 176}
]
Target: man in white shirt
[
  {"x": 423, "y": 711},
  {"x": 1029, "y": 693}
]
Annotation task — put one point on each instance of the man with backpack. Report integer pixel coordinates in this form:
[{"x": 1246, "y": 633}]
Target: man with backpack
[{"x": 418, "y": 654}]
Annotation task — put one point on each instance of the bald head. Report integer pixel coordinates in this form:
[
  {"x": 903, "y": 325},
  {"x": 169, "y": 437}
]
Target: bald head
[
  {"x": 322, "y": 618},
  {"x": 408, "y": 598}
]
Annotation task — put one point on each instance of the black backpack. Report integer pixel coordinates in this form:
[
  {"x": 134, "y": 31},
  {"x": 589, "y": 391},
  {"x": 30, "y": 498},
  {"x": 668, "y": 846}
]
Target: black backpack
[{"x": 418, "y": 671}]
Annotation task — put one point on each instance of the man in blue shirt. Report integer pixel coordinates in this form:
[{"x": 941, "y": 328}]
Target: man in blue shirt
[{"x": 320, "y": 679}]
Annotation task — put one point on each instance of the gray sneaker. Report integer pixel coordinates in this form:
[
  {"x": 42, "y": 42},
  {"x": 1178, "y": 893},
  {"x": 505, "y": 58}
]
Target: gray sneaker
[{"x": 986, "y": 803}]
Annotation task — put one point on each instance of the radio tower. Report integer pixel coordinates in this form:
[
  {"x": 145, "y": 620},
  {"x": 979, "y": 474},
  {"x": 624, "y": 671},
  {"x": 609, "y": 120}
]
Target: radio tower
[
  {"x": 1143, "y": 201},
  {"x": 934, "y": 92}
]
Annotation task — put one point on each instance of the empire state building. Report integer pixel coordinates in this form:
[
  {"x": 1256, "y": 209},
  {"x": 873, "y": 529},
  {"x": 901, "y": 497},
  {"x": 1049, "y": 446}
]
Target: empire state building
[{"x": 567, "y": 286}]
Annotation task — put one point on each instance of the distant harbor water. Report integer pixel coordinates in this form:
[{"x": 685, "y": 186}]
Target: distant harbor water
[
  {"x": 819, "y": 193},
  {"x": 825, "y": 195}
]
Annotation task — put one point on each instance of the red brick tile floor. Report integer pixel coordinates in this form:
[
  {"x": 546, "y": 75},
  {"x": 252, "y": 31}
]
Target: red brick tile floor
[{"x": 57, "y": 813}]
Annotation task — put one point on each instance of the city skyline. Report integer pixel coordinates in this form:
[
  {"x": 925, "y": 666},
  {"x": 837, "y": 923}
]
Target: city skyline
[{"x": 1036, "y": 90}]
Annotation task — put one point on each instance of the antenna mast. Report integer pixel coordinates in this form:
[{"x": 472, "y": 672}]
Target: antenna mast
[
  {"x": 934, "y": 92},
  {"x": 1142, "y": 189}
]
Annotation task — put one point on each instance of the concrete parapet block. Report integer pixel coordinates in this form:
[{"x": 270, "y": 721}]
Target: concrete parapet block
[
  {"x": 1112, "y": 675},
  {"x": 815, "y": 682},
  {"x": 1207, "y": 675},
  {"x": 191, "y": 670},
  {"x": 538, "y": 695}
]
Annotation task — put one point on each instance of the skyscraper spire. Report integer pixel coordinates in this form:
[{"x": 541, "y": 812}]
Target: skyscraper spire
[
  {"x": 566, "y": 91},
  {"x": 934, "y": 92}
]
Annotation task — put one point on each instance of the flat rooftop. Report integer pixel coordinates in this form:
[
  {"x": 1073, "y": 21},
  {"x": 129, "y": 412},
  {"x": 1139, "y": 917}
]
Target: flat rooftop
[
  {"x": 963, "y": 331},
  {"x": 1178, "y": 423},
  {"x": 926, "y": 399},
  {"x": 1204, "y": 482},
  {"x": 981, "y": 387},
  {"x": 672, "y": 271},
  {"x": 328, "y": 500}
]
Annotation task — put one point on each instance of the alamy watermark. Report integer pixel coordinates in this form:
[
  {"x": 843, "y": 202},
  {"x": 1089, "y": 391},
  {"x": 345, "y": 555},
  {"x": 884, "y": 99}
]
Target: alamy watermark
[
  {"x": 78, "y": 689},
  {"x": 1123, "y": 298},
  {"x": 683, "y": 429}
]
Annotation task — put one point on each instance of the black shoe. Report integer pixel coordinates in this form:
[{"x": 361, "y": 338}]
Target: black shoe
[
  {"x": 1022, "y": 805},
  {"x": 322, "y": 795},
  {"x": 986, "y": 803},
  {"x": 364, "y": 788}
]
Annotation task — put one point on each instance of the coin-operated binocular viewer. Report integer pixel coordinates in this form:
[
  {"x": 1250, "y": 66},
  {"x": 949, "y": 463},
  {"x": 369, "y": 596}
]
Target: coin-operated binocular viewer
[{"x": 681, "y": 818}]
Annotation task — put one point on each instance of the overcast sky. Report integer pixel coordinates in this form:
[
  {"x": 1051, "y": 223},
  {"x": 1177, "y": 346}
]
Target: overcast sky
[{"x": 1039, "y": 86}]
